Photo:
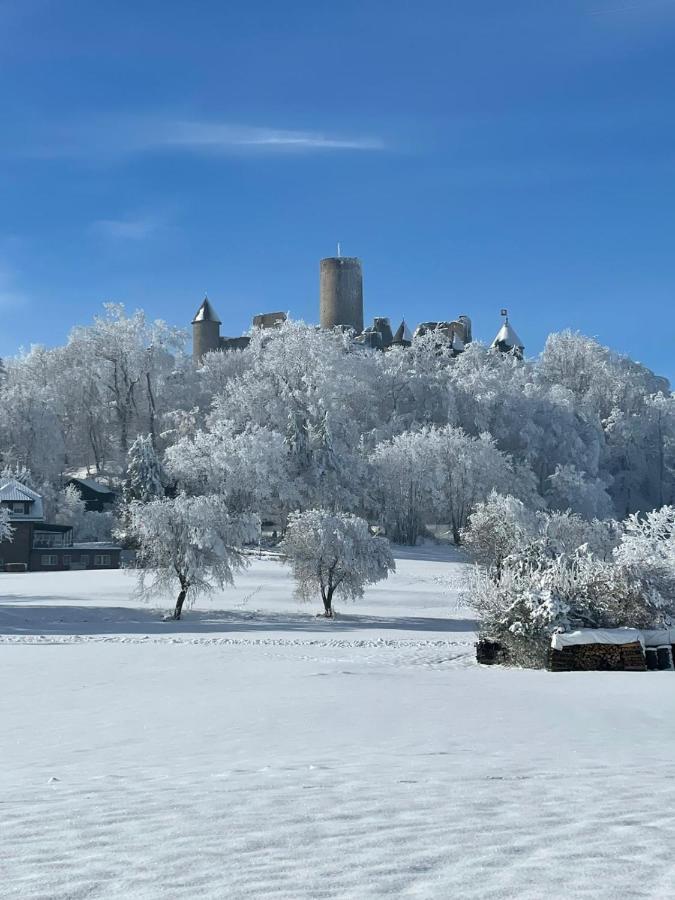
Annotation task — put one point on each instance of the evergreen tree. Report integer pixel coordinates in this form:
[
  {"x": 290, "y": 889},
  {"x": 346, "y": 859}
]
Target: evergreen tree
[{"x": 145, "y": 476}]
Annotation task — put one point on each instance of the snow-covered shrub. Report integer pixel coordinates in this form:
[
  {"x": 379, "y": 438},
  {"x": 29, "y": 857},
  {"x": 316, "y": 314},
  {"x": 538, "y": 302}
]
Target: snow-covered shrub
[
  {"x": 497, "y": 527},
  {"x": 565, "y": 531},
  {"x": 541, "y": 591},
  {"x": 334, "y": 554},
  {"x": 189, "y": 543},
  {"x": 647, "y": 549}
]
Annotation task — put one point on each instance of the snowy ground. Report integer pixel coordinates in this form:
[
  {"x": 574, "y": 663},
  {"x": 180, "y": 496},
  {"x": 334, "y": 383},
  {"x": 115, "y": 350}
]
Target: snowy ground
[{"x": 256, "y": 751}]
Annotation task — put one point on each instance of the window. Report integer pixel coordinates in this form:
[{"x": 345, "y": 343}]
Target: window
[
  {"x": 19, "y": 508},
  {"x": 66, "y": 560},
  {"x": 102, "y": 559},
  {"x": 49, "y": 559}
]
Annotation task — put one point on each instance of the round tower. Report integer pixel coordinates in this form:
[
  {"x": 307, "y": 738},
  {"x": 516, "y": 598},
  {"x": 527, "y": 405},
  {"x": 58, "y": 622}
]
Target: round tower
[
  {"x": 341, "y": 293},
  {"x": 205, "y": 331}
]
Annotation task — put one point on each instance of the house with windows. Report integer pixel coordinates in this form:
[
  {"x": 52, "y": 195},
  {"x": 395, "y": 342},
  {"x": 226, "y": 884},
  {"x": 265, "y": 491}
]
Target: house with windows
[{"x": 40, "y": 546}]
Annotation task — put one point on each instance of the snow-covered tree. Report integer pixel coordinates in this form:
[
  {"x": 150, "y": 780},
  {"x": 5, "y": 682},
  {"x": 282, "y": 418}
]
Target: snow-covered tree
[
  {"x": 647, "y": 548},
  {"x": 406, "y": 487},
  {"x": 18, "y": 473},
  {"x": 69, "y": 507},
  {"x": 145, "y": 477},
  {"x": 572, "y": 489},
  {"x": 249, "y": 468},
  {"x": 497, "y": 527},
  {"x": 191, "y": 544},
  {"x": 316, "y": 390},
  {"x": 334, "y": 554},
  {"x": 128, "y": 357},
  {"x": 6, "y": 530},
  {"x": 566, "y": 531}
]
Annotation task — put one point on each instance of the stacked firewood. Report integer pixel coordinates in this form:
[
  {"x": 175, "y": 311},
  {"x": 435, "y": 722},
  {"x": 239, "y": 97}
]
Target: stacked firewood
[
  {"x": 490, "y": 653},
  {"x": 594, "y": 657}
]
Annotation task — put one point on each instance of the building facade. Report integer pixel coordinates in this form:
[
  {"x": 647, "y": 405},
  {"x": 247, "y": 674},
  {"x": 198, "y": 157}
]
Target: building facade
[{"x": 40, "y": 546}]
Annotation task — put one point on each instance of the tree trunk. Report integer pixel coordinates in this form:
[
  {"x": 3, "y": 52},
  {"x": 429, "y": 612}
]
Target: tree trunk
[
  {"x": 328, "y": 604},
  {"x": 179, "y": 604}
]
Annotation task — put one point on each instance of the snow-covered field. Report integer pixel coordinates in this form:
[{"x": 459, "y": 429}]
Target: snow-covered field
[{"x": 254, "y": 751}]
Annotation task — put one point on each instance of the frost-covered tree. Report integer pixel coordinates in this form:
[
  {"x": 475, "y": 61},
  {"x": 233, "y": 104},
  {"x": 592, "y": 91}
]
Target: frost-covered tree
[
  {"x": 191, "y": 544},
  {"x": 572, "y": 489},
  {"x": 249, "y": 468},
  {"x": 69, "y": 507},
  {"x": 439, "y": 475},
  {"x": 128, "y": 357},
  {"x": 566, "y": 531},
  {"x": 6, "y": 530},
  {"x": 145, "y": 477},
  {"x": 471, "y": 468},
  {"x": 334, "y": 554},
  {"x": 497, "y": 527},
  {"x": 406, "y": 487},
  {"x": 648, "y": 549},
  {"x": 18, "y": 473},
  {"x": 316, "y": 390}
]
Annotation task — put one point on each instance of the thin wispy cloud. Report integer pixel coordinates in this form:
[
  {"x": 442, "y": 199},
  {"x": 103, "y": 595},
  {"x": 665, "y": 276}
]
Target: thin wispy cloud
[
  {"x": 129, "y": 136},
  {"x": 198, "y": 135},
  {"x": 132, "y": 229}
]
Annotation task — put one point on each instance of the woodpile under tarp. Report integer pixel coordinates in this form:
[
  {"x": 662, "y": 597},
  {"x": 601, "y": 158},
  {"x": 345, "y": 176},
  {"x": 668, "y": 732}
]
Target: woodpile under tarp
[
  {"x": 591, "y": 649},
  {"x": 659, "y": 648}
]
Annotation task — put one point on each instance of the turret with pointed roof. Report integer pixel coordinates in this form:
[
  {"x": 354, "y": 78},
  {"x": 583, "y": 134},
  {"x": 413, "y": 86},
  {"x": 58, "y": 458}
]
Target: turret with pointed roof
[
  {"x": 206, "y": 313},
  {"x": 507, "y": 340},
  {"x": 403, "y": 336},
  {"x": 205, "y": 331}
]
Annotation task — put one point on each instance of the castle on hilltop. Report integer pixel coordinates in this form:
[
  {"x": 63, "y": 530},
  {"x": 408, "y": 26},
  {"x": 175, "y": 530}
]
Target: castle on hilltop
[{"x": 341, "y": 307}]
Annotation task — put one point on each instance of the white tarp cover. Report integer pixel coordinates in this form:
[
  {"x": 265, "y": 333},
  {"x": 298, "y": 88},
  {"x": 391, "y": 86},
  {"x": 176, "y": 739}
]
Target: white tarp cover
[
  {"x": 659, "y": 637},
  {"x": 596, "y": 636}
]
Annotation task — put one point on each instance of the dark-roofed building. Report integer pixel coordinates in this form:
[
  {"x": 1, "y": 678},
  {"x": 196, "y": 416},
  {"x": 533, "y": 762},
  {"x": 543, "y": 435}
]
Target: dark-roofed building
[
  {"x": 97, "y": 497},
  {"x": 39, "y": 546}
]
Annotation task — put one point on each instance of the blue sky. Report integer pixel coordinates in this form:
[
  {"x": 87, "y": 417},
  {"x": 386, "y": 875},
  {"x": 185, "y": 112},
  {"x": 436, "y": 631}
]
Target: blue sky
[{"x": 475, "y": 154}]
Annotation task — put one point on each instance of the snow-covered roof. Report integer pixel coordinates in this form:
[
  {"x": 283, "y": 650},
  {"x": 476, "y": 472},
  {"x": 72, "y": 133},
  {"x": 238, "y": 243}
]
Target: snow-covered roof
[
  {"x": 206, "y": 313},
  {"x": 14, "y": 491},
  {"x": 596, "y": 636},
  {"x": 507, "y": 337}
]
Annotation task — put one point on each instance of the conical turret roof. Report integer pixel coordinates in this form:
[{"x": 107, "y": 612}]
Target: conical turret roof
[
  {"x": 206, "y": 313},
  {"x": 403, "y": 334},
  {"x": 507, "y": 338}
]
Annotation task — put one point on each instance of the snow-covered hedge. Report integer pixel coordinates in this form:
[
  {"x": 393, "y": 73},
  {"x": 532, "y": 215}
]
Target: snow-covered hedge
[{"x": 537, "y": 589}]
